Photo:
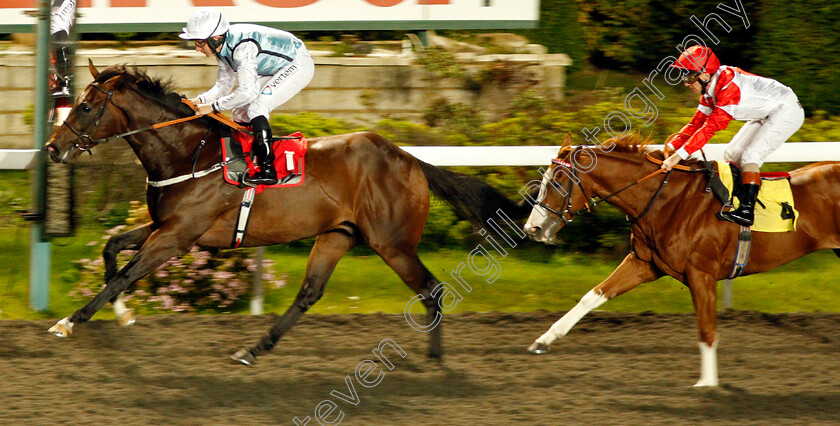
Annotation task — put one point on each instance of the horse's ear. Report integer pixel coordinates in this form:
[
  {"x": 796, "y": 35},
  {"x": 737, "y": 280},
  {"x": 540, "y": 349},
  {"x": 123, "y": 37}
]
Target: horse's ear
[
  {"x": 566, "y": 143},
  {"x": 93, "y": 71}
]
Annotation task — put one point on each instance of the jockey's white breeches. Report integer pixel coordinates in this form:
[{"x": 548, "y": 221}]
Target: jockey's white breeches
[
  {"x": 757, "y": 139},
  {"x": 277, "y": 89}
]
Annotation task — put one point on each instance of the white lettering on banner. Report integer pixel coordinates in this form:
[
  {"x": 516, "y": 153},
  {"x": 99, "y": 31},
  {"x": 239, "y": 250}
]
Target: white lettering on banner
[{"x": 504, "y": 13}]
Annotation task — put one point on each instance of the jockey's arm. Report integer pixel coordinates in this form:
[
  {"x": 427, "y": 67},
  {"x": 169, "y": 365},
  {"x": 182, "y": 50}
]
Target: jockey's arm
[
  {"x": 689, "y": 129},
  {"x": 247, "y": 88},
  {"x": 225, "y": 78},
  {"x": 717, "y": 120}
]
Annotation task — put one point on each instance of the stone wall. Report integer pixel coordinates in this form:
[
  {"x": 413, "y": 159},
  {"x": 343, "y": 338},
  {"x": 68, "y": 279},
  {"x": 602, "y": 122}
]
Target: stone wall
[{"x": 359, "y": 89}]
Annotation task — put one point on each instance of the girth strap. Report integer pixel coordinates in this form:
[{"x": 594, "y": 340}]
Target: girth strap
[
  {"x": 742, "y": 254},
  {"x": 244, "y": 215}
]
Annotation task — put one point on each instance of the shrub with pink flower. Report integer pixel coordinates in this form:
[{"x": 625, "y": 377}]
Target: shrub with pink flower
[{"x": 202, "y": 280}]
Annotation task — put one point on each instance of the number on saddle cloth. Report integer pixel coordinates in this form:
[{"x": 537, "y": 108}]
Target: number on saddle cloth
[{"x": 289, "y": 154}]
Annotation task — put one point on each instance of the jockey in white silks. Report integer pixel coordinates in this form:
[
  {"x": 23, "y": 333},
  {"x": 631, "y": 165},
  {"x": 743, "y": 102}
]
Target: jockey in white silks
[{"x": 268, "y": 67}]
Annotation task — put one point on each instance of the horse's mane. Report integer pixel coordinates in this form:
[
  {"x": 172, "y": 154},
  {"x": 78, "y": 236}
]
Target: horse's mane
[
  {"x": 154, "y": 88},
  {"x": 634, "y": 143}
]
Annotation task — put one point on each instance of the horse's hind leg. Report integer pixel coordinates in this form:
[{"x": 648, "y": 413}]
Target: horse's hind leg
[
  {"x": 630, "y": 273},
  {"x": 130, "y": 240},
  {"x": 408, "y": 266},
  {"x": 325, "y": 254}
]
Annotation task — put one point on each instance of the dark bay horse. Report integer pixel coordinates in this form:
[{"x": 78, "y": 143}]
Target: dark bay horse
[
  {"x": 360, "y": 188},
  {"x": 676, "y": 233}
]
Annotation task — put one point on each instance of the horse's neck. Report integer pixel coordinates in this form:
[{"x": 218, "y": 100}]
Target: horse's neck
[
  {"x": 616, "y": 172},
  {"x": 168, "y": 151}
]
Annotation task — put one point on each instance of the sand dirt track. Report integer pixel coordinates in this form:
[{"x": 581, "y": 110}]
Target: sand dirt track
[{"x": 611, "y": 369}]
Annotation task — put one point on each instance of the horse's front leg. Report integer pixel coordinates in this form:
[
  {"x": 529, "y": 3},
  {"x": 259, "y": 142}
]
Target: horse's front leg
[
  {"x": 704, "y": 295},
  {"x": 630, "y": 273},
  {"x": 130, "y": 240},
  {"x": 161, "y": 245}
]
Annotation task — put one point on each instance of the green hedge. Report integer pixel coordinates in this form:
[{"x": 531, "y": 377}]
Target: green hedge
[{"x": 794, "y": 42}]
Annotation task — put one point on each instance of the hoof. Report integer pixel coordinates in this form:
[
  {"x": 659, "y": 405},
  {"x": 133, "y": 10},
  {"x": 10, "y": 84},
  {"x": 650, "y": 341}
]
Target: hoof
[
  {"x": 538, "y": 348},
  {"x": 245, "y": 357},
  {"x": 127, "y": 319},
  {"x": 706, "y": 383},
  {"x": 62, "y": 328}
]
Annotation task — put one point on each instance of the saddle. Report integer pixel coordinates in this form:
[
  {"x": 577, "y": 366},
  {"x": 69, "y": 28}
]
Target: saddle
[
  {"x": 774, "y": 210},
  {"x": 289, "y": 159}
]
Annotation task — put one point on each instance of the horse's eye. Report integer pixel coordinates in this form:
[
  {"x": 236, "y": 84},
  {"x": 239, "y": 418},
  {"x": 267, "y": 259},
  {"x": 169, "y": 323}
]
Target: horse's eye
[{"x": 85, "y": 107}]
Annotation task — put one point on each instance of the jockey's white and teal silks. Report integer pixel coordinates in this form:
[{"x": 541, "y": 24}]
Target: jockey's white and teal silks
[
  {"x": 251, "y": 57},
  {"x": 275, "y": 48}
]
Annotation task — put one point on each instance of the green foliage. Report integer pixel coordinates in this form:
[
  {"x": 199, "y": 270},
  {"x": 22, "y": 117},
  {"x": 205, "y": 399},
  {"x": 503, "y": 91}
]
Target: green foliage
[
  {"x": 14, "y": 197},
  {"x": 559, "y": 30},
  {"x": 792, "y": 42},
  {"x": 310, "y": 124},
  {"x": 440, "y": 63},
  {"x": 798, "y": 46},
  {"x": 455, "y": 118},
  {"x": 638, "y": 34},
  {"x": 403, "y": 132}
]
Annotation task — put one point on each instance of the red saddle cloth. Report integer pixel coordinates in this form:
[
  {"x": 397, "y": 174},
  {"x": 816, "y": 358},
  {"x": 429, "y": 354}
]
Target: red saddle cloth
[{"x": 289, "y": 153}]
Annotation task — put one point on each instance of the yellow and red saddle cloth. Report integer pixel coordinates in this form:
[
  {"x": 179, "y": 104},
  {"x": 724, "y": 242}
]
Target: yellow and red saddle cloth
[{"x": 775, "y": 211}]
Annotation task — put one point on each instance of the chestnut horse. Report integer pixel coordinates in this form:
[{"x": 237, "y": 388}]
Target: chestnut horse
[
  {"x": 675, "y": 233},
  {"x": 359, "y": 188}
]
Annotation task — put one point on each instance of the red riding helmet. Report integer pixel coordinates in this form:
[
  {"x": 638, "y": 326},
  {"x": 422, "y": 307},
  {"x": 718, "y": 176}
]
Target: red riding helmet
[{"x": 698, "y": 58}]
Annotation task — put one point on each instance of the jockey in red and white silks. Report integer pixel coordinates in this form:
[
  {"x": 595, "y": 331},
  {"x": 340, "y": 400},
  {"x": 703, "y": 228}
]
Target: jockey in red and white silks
[
  {"x": 771, "y": 110},
  {"x": 268, "y": 67}
]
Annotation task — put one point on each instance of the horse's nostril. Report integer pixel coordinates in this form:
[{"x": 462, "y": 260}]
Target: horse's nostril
[
  {"x": 534, "y": 230},
  {"x": 52, "y": 151}
]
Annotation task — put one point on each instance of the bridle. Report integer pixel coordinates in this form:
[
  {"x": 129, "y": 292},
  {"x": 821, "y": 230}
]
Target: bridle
[
  {"x": 591, "y": 202},
  {"x": 85, "y": 142}
]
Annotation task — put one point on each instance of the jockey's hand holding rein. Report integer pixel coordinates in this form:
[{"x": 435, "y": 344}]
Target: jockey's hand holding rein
[
  {"x": 670, "y": 162},
  {"x": 203, "y": 109}
]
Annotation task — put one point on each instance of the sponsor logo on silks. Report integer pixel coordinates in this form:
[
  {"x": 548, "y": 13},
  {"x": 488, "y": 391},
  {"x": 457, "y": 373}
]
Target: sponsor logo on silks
[
  {"x": 266, "y": 91},
  {"x": 281, "y": 78}
]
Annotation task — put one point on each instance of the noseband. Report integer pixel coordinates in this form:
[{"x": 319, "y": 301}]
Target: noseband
[
  {"x": 567, "y": 200},
  {"x": 590, "y": 202},
  {"x": 85, "y": 141}
]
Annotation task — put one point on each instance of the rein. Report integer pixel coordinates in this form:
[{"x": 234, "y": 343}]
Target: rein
[
  {"x": 87, "y": 142},
  {"x": 591, "y": 203}
]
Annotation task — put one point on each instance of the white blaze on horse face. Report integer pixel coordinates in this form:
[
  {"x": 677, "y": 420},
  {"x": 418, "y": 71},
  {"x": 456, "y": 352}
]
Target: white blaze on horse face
[{"x": 538, "y": 222}]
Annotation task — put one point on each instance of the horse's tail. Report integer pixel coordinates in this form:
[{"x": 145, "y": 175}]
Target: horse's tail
[{"x": 472, "y": 198}]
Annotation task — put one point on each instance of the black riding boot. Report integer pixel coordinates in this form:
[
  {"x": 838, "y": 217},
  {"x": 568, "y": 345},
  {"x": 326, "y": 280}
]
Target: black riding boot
[
  {"x": 261, "y": 154},
  {"x": 744, "y": 214}
]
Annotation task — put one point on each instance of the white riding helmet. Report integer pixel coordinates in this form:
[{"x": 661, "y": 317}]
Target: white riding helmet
[{"x": 205, "y": 23}]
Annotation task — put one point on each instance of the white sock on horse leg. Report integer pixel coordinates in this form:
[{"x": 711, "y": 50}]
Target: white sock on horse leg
[
  {"x": 119, "y": 306},
  {"x": 708, "y": 364},
  {"x": 588, "y": 302}
]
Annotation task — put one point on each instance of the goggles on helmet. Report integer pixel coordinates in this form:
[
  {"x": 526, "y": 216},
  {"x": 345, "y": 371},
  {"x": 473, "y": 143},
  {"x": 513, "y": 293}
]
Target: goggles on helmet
[{"x": 691, "y": 77}]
